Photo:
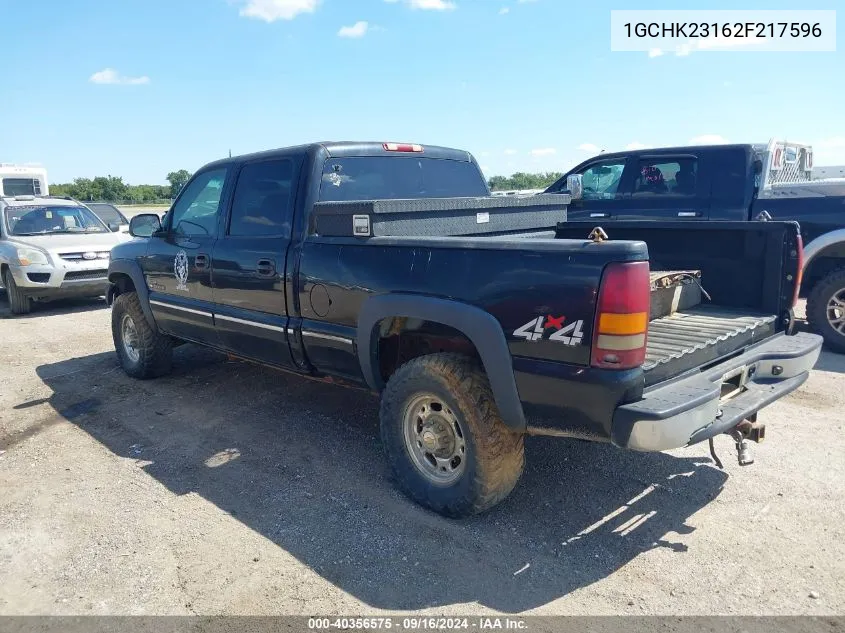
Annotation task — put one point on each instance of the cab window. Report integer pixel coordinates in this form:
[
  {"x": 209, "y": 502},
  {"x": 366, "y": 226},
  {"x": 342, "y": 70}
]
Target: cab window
[
  {"x": 601, "y": 180},
  {"x": 665, "y": 177},
  {"x": 261, "y": 205},
  {"x": 196, "y": 211}
]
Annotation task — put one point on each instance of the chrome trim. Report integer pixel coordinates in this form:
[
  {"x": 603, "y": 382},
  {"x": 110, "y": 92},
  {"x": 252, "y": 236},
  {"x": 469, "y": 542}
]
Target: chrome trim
[
  {"x": 266, "y": 326},
  {"x": 327, "y": 337},
  {"x": 175, "y": 307}
]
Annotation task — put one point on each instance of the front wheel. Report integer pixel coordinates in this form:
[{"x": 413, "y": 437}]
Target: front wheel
[
  {"x": 18, "y": 301},
  {"x": 446, "y": 443},
  {"x": 826, "y": 309},
  {"x": 143, "y": 351}
]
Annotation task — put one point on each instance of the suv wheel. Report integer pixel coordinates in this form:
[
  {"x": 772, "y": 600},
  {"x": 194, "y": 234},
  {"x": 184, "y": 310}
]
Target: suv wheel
[
  {"x": 18, "y": 301},
  {"x": 143, "y": 351},
  {"x": 826, "y": 309},
  {"x": 447, "y": 445}
]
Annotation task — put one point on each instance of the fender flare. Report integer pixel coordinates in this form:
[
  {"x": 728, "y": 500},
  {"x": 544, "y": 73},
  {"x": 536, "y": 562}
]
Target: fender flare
[
  {"x": 818, "y": 245},
  {"x": 480, "y": 327},
  {"x": 133, "y": 271}
]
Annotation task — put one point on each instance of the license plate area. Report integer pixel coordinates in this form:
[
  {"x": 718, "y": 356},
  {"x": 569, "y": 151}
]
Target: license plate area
[{"x": 734, "y": 381}]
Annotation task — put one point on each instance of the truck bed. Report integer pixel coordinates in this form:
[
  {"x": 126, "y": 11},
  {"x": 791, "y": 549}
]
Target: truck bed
[{"x": 697, "y": 336}]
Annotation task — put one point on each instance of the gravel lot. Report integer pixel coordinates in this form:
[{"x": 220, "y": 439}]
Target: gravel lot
[{"x": 232, "y": 489}]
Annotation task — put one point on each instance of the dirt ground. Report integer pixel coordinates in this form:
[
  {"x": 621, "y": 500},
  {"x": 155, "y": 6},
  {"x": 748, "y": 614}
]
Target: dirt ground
[{"x": 232, "y": 489}]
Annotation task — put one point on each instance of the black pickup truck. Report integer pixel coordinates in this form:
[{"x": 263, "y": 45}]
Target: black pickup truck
[
  {"x": 390, "y": 267},
  {"x": 742, "y": 182}
]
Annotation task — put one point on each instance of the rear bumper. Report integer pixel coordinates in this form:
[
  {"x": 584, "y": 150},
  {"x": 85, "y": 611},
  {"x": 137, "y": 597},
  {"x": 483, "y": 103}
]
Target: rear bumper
[{"x": 690, "y": 409}]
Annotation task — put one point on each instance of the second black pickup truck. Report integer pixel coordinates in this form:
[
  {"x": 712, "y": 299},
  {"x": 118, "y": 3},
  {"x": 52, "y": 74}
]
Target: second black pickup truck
[
  {"x": 389, "y": 267},
  {"x": 741, "y": 182}
]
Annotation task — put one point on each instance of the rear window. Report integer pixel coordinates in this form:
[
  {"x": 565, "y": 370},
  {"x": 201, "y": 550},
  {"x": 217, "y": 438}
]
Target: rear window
[
  {"x": 21, "y": 187},
  {"x": 395, "y": 177}
]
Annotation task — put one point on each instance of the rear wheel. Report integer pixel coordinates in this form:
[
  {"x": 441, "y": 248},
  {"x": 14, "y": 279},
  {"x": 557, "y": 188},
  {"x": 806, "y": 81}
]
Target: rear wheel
[
  {"x": 143, "y": 351},
  {"x": 446, "y": 443},
  {"x": 18, "y": 301},
  {"x": 826, "y": 309}
]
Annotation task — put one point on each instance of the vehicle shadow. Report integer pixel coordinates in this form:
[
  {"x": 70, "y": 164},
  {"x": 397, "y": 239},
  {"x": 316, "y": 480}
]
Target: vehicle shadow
[
  {"x": 49, "y": 308},
  {"x": 300, "y": 463}
]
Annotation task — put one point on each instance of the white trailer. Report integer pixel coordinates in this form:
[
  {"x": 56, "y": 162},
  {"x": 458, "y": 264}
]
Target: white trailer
[{"x": 23, "y": 180}]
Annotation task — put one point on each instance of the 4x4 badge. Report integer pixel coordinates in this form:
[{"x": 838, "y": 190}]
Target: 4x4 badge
[{"x": 180, "y": 269}]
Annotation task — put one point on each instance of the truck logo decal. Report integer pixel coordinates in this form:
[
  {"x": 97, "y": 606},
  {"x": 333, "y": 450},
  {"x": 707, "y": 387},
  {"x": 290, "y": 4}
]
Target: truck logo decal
[
  {"x": 534, "y": 330},
  {"x": 180, "y": 269}
]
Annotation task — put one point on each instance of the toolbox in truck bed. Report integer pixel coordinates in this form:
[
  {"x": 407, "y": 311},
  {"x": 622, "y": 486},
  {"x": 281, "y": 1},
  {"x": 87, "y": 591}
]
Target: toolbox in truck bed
[
  {"x": 438, "y": 216},
  {"x": 673, "y": 290}
]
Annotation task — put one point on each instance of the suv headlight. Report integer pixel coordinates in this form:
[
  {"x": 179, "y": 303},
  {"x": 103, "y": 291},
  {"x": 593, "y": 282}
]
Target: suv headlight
[{"x": 30, "y": 256}]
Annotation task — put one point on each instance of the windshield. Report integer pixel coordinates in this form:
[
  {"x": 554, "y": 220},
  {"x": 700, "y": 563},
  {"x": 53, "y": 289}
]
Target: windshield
[
  {"x": 394, "y": 177},
  {"x": 37, "y": 220}
]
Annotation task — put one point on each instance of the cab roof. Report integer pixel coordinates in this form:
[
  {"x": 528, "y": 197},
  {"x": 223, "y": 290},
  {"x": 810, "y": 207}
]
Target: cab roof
[{"x": 351, "y": 148}]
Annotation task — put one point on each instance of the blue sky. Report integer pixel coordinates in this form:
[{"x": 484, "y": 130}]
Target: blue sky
[{"x": 138, "y": 88}]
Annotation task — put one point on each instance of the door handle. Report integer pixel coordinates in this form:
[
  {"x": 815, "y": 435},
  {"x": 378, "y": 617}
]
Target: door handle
[
  {"x": 688, "y": 214},
  {"x": 265, "y": 268},
  {"x": 599, "y": 215},
  {"x": 201, "y": 262}
]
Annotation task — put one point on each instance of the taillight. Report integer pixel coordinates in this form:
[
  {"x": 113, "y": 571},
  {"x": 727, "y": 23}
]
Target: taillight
[
  {"x": 401, "y": 147},
  {"x": 800, "y": 276},
  {"x": 621, "y": 328}
]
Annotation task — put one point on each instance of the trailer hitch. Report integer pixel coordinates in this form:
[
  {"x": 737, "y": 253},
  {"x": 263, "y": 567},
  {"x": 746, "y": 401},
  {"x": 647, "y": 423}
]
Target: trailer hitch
[{"x": 742, "y": 433}]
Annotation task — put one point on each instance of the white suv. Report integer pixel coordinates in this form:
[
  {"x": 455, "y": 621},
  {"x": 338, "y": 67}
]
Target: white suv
[{"x": 51, "y": 248}]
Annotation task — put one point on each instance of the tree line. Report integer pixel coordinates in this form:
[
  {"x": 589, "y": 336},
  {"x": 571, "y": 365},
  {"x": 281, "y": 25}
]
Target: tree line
[
  {"x": 113, "y": 189},
  {"x": 522, "y": 180}
]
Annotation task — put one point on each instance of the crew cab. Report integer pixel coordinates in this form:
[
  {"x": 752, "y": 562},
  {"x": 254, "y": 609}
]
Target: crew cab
[
  {"x": 389, "y": 267},
  {"x": 742, "y": 182}
]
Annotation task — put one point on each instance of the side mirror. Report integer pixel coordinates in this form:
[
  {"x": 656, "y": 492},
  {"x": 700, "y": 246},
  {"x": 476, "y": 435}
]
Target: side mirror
[
  {"x": 575, "y": 184},
  {"x": 114, "y": 227},
  {"x": 144, "y": 225}
]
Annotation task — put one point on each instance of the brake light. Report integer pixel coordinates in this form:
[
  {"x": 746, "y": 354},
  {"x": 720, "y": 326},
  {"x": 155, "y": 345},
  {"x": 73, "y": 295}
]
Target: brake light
[
  {"x": 623, "y": 306},
  {"x": 800, "y": 276},
  {"x": 401, "y": 147}
]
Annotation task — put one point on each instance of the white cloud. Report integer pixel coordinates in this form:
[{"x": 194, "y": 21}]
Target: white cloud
[
  {"x": 504, "y": 11},
  {"x": 829, "y": 151},
  {"x": 708, "y": 139},
  {"x": 359, "y": 29},
  {"x": 111, "y": 76},
  {"x": 832, "y": 142},
  {"x": 636, "y": 145},
  {"x": 428, "y": 5},
  {"x": 655, "y": 52},
  {"x": 510, "y": 152},
  {"x": 272, "y": 10},
  {"x": 716, "y": 43},
  {"x": 588, "y": 147},
  {"x": 543, "y": 151}
]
